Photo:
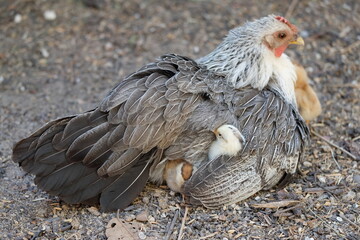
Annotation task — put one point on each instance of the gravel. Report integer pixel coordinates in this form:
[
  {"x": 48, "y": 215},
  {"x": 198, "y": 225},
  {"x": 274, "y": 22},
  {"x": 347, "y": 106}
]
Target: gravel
[{"x": 64, "y": 62}]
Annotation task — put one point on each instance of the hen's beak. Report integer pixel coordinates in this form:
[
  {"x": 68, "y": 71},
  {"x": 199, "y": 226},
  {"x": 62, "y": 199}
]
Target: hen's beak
[{"x": 298, "y": 41}]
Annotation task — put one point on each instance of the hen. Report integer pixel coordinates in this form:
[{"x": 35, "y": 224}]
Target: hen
[{"x": 166, "y": 111}]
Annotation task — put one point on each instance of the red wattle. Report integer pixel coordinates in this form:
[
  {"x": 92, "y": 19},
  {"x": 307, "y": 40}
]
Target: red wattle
[{"x": 280, "y": 50}]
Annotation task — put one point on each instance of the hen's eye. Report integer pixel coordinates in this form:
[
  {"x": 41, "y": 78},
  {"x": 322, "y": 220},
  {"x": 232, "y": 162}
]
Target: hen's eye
[{"x": 282, "y": 35}]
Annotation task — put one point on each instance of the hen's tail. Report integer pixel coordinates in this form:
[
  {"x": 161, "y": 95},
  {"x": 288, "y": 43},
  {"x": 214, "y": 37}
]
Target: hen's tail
[{"x": 55, "y": 154}]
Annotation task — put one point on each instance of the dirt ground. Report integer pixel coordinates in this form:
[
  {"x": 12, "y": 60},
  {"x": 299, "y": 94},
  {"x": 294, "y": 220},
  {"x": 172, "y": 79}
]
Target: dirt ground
[{"x": 55, "y": 67}]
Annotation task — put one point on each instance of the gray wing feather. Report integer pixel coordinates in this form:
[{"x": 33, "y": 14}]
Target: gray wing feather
[{"x": 275, "y": 136}]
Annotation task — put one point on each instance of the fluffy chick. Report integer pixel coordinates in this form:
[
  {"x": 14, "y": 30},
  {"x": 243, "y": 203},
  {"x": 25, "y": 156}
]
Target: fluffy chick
[
  {"x": 306, "y": 98},
  {"x": 176, "y": 173},
  {"x": 229, "y": 141}
]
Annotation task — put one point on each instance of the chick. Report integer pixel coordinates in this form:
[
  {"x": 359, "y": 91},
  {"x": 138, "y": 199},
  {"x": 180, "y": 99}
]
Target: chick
[
  {"x": 229, "y": 141},
  {"x": 307, "y": 101},
  {"x": 176, "y": 173}
]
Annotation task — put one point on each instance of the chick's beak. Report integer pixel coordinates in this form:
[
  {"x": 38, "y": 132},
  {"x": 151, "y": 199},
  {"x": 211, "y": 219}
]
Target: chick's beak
[{"x": 298, "y": 41}]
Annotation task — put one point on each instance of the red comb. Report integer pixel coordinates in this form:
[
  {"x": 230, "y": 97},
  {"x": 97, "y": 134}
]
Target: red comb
[{"x": 284, "y": 20}]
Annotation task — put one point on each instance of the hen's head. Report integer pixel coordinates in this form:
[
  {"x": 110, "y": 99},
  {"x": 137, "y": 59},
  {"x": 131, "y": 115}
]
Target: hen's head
[
  {"x": 281, "y": 34},
  {"x": 274, "y": 32},
  {"x": 252, "y": 55}
]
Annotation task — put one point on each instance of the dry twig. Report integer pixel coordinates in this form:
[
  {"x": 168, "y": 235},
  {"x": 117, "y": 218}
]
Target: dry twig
[
  {"x": 330, "y": 189},
  {"x": 278, "y": 204},
  {"x": 209, "y": 236},
  {"x": 291, "y": 8},
  {"x": 325, "y": 223},
  {"x": 334, "y": 145},
  {"x": 349, "y": 221},
  {"x": 183, "y": 223},
  {"x": 171, "y": 227}
]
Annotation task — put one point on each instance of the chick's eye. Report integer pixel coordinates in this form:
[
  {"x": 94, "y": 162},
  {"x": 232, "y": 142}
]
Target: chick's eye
[
  {"x": 220, "y": 135},
  {"x": 282, "y": 35}
]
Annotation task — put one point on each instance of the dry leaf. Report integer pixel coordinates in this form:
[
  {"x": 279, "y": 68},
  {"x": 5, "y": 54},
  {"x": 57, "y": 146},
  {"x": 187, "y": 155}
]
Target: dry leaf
[
  {"x": 118, "y": 229},
  {"x": 284, "y": 203}
]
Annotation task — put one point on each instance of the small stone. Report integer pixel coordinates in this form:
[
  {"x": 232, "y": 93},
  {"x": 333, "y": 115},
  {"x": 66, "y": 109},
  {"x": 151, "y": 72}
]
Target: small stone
[
  {"x": 163, "y": 203},
  {"x": 356, "y": 178},
  {"x": 307, "y": 164},
  {"x": 75, "y": 223},
  {"x": 17, "y": 18},
  {"x": 339, "y": 219},
  {"x": 22, "y": 87},
  {"x": 109, "y": 65},
  {"x": 142, "y": 235},
  {"x": 94, "y": 211},
  {"x": 142, "y": 217},
  {"x": 257, "y": 198},
  {"x": 42, "y": 61},
  {"x": 44, "y": 53},
  {"x": 196, "y": 49},
  {"x": 146, "y": 200},
  {"x": 151, "y": 219},
  {"x": 304, "y": 33},
  {"x": 1, "y": 79},
  {"x": 222, "y": 218},
  {"x": 308, "y": 238},
  {"x": 41, "y": 212},
  {"x": 349, "y": 196},
  {"x": 108, "y": 46},
  {"x": 321, "y": 178},
  {"x": 50, "y": 15},
  {"x": 129, "y": 217}
]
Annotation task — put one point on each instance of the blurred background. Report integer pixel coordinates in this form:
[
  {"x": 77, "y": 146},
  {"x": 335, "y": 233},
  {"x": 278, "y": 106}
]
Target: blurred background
[{"x": 61, "y": 57}]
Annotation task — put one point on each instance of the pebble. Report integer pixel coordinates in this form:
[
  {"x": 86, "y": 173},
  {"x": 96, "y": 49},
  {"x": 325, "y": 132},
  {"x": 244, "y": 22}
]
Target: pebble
[
  {"x": 2, "y": 79},
  {"x": 50, "y": 15},
  {"x": 349, "y": 196},
  {"x": 142, "y": 235},
  {"x": 339, "y": 219},
  {"x": 108, "y": 46},
  {"x": 146, "y": 200},
  {"x": 151, "y": 219},
  {"x": 307, "y": 164},
  {"x": 321, "y": 178},
  {"x": 94, "y": 211},
  {"x": 75, "y": 223},
  {"x": 142, "y": 217},
  {"x": 129, "y": 217},
  {"x": 17, "y": 18},
  {"x": 356, "y": 178},
  {"x": 304, "y": 33},
  {"x": 44, "y": 53},
  {"x": 163, "y": 203}
]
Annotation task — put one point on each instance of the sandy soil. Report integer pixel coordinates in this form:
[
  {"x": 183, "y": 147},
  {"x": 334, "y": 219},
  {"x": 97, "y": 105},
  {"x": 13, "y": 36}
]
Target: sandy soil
[{"x": 53, "y": 68}]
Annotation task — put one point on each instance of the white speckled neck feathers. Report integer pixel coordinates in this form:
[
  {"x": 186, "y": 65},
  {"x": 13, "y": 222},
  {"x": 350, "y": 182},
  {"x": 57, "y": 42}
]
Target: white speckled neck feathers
[{"x": 243, "y": 59}]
